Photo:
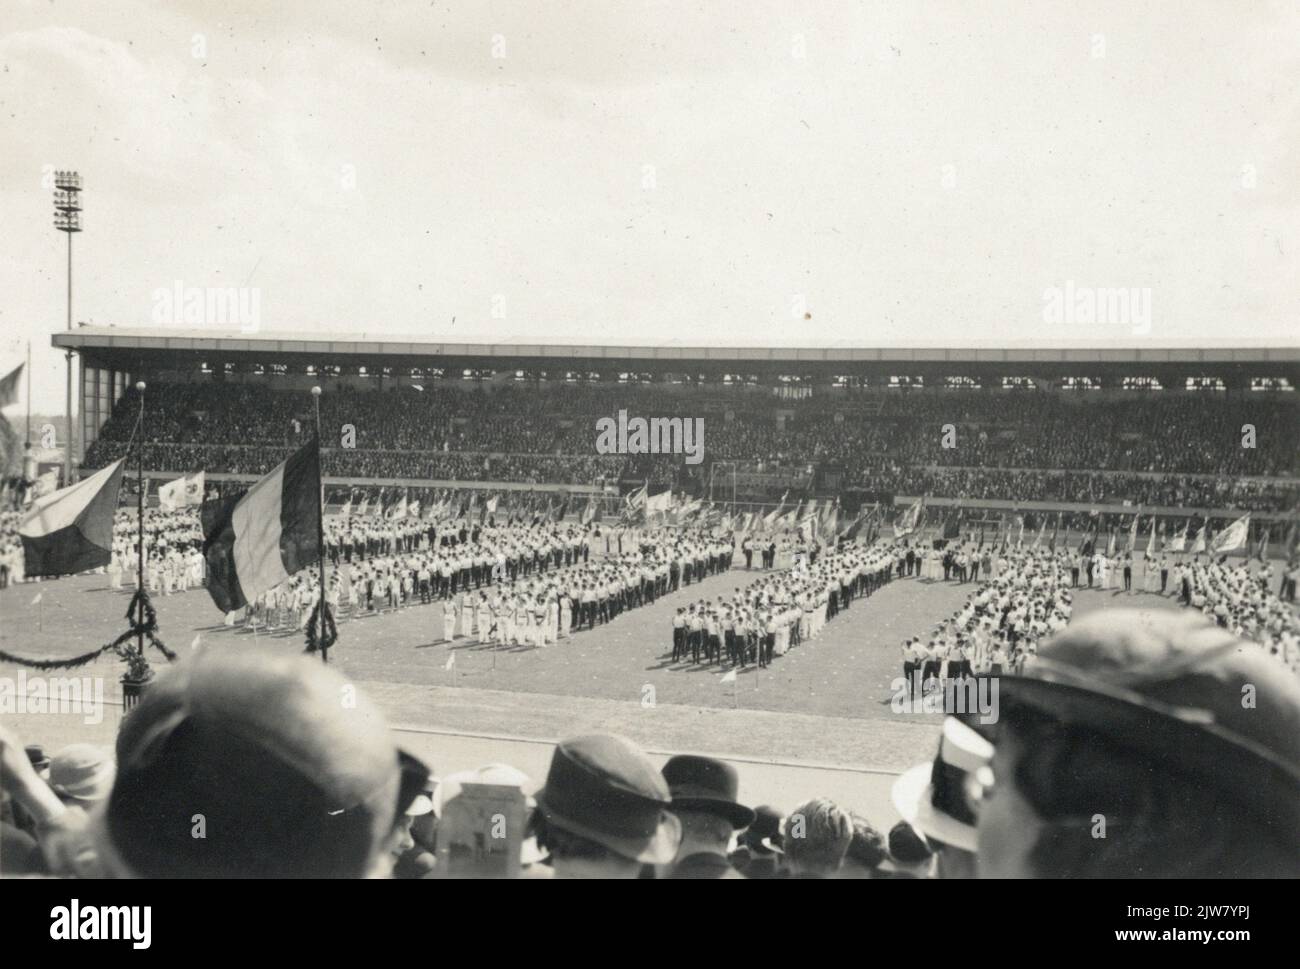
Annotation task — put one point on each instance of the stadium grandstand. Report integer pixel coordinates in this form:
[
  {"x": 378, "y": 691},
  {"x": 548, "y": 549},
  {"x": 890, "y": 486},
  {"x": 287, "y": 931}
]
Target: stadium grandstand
[{"x": 1074, "y": 430}]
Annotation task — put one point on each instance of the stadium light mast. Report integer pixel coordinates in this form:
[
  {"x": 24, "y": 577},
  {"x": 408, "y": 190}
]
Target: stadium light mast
[{"x": 67, "y": 219}]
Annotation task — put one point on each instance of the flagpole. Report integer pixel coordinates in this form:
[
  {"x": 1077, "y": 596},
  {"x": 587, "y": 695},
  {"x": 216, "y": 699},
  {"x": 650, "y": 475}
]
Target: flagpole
[
  {"x": 28, "y": 438},
  {"x": 320, "y": 529},
  {"x": 139, "y": 517}
]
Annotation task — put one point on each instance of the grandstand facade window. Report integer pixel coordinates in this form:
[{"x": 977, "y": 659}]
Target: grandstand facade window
[
  {"x": 739, "y": 380},
  {"x": 905, "y": 382},
  {"x": 205, "y": 368},
  {"x": 1081, "y": 383},
  {"x": 1141, "y": 383},
  {"x": 844, "y": 381},
  {"x": 1273, "y": 384},
  {"x": 1019, "y": 383},
  {"x": 1206, "y": 383},
  {"x": 961, "y": 383}
]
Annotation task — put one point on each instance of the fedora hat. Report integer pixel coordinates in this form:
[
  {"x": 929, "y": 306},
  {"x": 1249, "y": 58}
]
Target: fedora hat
[
  {"x": 933, "y": 798},
  {"x": 603, "y": 788},
  {"x": 705, "y": 784},
  {"x": 1170, "y": 686}
]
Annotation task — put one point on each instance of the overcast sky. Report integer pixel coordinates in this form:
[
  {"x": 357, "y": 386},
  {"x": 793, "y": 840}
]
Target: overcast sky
[{"x": 654, "y": 171}]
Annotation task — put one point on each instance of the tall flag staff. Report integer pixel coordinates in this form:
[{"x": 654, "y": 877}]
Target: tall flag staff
[
  {"x": 328, "y": 631},
  {"x": 140, "y": 613}
]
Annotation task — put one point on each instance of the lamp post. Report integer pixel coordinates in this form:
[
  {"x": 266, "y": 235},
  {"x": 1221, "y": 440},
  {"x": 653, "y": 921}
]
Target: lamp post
[{"x": 67, "y": 219}]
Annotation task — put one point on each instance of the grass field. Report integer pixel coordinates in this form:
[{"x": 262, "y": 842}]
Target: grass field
[{"x": 826, "y": 701}]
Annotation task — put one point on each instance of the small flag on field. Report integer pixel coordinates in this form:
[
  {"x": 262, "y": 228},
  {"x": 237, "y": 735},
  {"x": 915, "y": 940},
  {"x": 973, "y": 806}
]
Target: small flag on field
[
  {"x": 71, "y": 530},
  {"x": 37, "y": 600},
  {"x": 198, "y": 640},
  {"x": 729, "y": 677},
  {"x": 451, "y": 662},
  {"x": 255, "y": 540}
]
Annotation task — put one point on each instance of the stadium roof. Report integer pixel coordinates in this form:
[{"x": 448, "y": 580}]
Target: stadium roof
[{"x": 131, "y": 348}]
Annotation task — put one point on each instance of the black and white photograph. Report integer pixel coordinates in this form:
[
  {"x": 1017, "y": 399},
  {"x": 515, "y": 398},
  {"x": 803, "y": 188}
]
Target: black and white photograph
[{"x": 477, "y": 440}]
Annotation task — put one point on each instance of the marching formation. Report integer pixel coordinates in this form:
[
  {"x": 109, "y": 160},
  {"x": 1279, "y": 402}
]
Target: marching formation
[
  {"x": 779, "y": 611},
  {"x": 503, "y": 584}
]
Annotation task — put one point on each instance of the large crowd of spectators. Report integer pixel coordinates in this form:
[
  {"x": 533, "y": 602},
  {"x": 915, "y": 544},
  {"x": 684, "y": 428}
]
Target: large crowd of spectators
[{"x": 1189, "y": 449}]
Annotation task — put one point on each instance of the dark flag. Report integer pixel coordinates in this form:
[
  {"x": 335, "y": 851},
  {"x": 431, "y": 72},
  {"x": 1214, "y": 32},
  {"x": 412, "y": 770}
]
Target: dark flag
[
  {"x": 255, "y": 540},
  {"x": 9, "y": 386}
]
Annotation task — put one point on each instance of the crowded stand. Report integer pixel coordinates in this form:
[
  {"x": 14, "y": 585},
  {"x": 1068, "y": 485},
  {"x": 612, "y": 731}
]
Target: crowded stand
[{"x": 1180, "y": 450}]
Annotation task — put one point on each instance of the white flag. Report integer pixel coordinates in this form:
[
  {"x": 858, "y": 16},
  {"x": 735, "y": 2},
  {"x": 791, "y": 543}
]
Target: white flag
[
  {"x": 172, "y": 495},
  {"x": 37, "y": 600},
  {"x": 1233, "y": 537},
  {"x": 729, "y": 677},
  {"x": 451, "y": 662},
  {"x": 198, "y": 639}
]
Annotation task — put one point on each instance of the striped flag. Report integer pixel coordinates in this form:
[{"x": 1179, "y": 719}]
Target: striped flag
[
  {"x": 255, "y": 540},
  {"x": 909, "y": 520},
  {"x": 71, "y": 530}
]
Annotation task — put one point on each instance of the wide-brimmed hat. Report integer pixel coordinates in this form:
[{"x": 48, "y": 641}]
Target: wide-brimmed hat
[
  {"x": 83, "y": 772},
  {"x": 1180, "y": 691},
  {"x": 933, "y": 797},
  {"x": 705, "y": 784},
  {"x": 603, "y": 788}
]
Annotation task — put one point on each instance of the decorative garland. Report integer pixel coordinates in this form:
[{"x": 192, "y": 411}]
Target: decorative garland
[
  {"x": 137, "y": 666},
  {"x": 328, "y": 637}
]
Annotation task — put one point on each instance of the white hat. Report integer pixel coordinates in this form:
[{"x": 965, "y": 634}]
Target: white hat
[{"x": 962, "y": 751}]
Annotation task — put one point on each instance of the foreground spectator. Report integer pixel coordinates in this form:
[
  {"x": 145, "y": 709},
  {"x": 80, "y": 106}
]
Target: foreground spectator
[
  {"x": 759, "y": 854},
  {"x": 935, "y": 798},
  {"x": 910, "y": 855},
  {"x": 604, "y": 810},
  {"x": 1141, "y": 745},
  {"x": 867, "y": 851},
  {"x": 816, "y": 838},
  {"x": 241, "y": 765},
  {"x": 704, "y": 792}
]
